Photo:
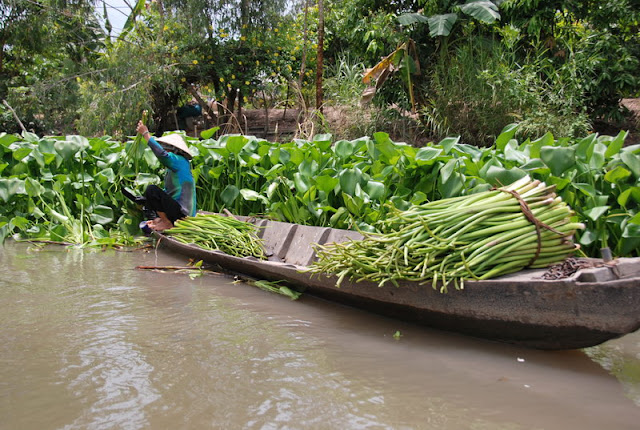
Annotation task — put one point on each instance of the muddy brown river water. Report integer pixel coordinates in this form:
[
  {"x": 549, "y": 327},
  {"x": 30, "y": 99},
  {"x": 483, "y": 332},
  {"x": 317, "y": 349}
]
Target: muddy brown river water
[{"x": 89, "y": 342}]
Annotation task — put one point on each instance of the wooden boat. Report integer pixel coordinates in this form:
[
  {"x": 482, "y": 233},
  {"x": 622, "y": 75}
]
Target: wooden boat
[{"x": 587, "y": 308}]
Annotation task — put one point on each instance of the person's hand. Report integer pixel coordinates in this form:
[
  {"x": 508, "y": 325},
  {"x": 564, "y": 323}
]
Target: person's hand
[{"x": 142, "y": 129}]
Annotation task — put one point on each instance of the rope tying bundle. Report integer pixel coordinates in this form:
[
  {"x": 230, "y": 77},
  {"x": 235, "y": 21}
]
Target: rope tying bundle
[{"x": 526, "y": 211}]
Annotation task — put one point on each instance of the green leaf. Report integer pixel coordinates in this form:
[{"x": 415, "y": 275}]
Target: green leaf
[
  {"x": 441, "y": 25},
  {"x": 144, "y": 179},
  {"x": 67, "y": 148},
  {"x": 426, "y": 154},
  {"x": 617, "y": 175},
  {"x": 596, "y": 212},
  {"x": 616, "y": 144},
  {"x": 30, "y": 137},
  {"x": 536, "y": 145},
  {"x": 33, "y": 187},
  {"x": 558, "y": 159},
  {"x": 536, "y": 165},
  {"x": 216, "y": 171},
  {"x": 252, "y": 196},
  {"x": 584, "y": 149},
  {"x": 353, "y": 204},
  {"x": 492, "y": 162},
  {"x": 349, "y": 178},
  {"x": 20, "y": 153},
  {"x": 448, "y": 169},
  {"x": 297, "y": 156},
  {"x": 107, "y": 175},
  {"x": 236, "y": 143},
  {"x": 318, "y": 138},
  {"x": 80, "y": 141},
  {"x": 632, "y": 161},
  {"x": 345, "y": 148},
  {"x": 505, "y": 136},
  {"x": 302, "y": 183},
  {"x": 322, "y": 141},
  {"x": 631, "y": 230},
  {"x": 11, "y": 187},
  {"x": 19, "y": 222},
  {"x": 131, "y": 19},
  {"x": 597, "y": 158},
  {"x": 400, "y": 203},
  {"x": 208, "y": 134},
  {"x": 448, "y": 142},
  {"x": 588, "y": 237},
  {"x": 499, "y": 176},
  {"x": 418, "y": 198},
  {"x": 102, "y": 215},
  {"x": 560, "y": 183},
  {"x": 412, "y": 18},
  {"x": 326, "y": 183},
  {"x": 472, "y": 152},
  {"x": 229, "y": 195},
  {"x": 452, "y": 186},
  {"x": 631, "y": 192},
  {"x": 482, "y": 10},
  {"x": 8, "y": 139},
  {"x": 57, "y": 216},
  {"x": 284, "y": 157},
  {"x": 375, "y": 190},
  {"x": 386, "y": 146},
  {"x": 512, "y": 153},
  {"x": 308, "y": 168},
  {"x": 587, "y": 189}
]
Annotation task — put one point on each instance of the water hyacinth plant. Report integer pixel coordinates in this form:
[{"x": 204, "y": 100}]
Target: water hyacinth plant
[{"x": 322, "y": 181}]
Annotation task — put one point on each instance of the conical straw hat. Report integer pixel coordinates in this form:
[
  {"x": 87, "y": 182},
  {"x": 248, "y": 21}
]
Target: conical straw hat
[{"x": 176, "y": 141}]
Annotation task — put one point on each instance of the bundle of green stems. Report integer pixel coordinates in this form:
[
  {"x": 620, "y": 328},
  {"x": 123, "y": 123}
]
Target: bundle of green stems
[
  {"x": 218, "y": 232},
  {"x": 478, "y": 236}
]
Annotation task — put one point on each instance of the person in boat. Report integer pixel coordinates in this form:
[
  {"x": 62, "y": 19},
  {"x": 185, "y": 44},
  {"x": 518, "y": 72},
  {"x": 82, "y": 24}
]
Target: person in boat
[{"x": 178, "y": 198}]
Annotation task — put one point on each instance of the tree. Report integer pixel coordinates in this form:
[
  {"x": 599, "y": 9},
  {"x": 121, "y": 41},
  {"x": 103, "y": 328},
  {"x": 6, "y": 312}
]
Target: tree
[
  {"x": 45, "y": 45},
  {"x": 320, "y": 54},
  {"x": 601, "y": 38}
]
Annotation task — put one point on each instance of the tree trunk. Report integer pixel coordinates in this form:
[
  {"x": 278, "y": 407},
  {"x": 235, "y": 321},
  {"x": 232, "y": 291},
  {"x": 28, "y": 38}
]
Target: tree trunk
[
  {"x": 244, "y": 14},
  {"x": 305, "y": 41},
  {"x": 320, "y": 56}
]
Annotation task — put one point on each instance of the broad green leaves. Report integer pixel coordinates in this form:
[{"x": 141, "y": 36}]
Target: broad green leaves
[
  {"x": 54, "y": 183},
  {"x": 482, "y": 10},
  {"x": 442, "y": 24}
]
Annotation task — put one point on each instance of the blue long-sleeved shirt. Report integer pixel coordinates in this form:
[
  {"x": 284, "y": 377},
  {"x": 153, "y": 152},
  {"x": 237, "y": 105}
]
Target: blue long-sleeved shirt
[{"x": 178, "y": 182}]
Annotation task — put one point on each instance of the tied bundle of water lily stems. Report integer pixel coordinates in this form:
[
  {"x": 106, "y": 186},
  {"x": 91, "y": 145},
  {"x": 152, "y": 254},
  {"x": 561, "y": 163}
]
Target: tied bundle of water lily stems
[
  {"x": 479, "y": 236},
  {"x": 217, "y": 232}
]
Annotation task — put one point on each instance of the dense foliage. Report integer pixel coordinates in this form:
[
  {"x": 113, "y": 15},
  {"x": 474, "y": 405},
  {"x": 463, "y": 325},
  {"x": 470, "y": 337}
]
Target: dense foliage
[
  {"x": 68, "y": 188},
  {"x": 474, "y": 66}
]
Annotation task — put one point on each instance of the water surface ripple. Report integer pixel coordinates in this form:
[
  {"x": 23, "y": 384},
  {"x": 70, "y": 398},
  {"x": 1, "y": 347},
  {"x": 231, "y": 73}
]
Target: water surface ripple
[{"x": 89, "y": 342}]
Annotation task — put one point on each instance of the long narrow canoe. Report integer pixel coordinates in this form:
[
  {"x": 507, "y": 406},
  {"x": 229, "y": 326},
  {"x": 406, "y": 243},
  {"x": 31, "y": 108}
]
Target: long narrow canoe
[{"x": 584, "y": 309}]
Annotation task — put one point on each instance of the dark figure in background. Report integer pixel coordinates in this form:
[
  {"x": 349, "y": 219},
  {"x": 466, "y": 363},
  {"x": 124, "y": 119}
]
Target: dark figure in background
[
  {"x": 187, "y": 115},
  {"x": 178, "y": 198}
]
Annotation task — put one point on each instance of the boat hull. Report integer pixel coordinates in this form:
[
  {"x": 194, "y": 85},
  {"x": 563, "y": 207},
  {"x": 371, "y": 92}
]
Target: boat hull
[{"x": 586, "y": 309}]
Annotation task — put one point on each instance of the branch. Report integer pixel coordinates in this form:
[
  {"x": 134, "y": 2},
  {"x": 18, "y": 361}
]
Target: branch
[{"x": 15, "y": 115}]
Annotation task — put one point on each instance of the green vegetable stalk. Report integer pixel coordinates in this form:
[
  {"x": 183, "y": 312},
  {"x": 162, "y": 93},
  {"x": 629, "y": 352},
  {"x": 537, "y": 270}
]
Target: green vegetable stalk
[
  {"x": 479, "y": 236},
  {"x": 217, "y": 232}
]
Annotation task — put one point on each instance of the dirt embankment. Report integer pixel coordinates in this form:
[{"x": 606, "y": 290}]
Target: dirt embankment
[
  {"x": 631, "y": 124},
  {"x": 283, "y": 124}
]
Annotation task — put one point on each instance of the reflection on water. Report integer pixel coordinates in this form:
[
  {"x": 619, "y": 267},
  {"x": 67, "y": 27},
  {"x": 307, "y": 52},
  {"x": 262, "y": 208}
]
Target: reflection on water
[
  {"x": 621, "y": 358},
  {"x": 88, "y": 342}
]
